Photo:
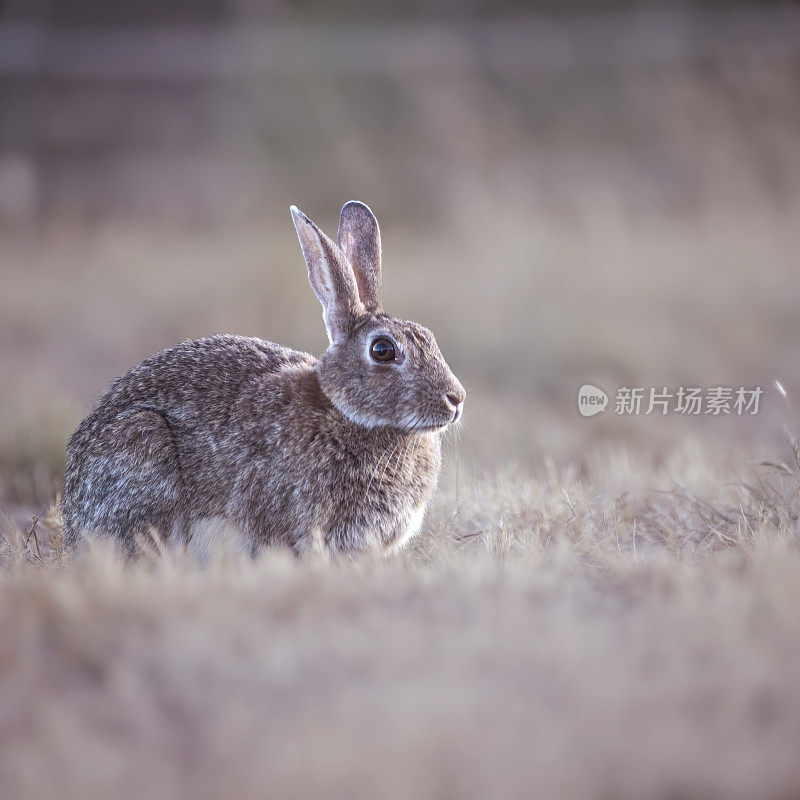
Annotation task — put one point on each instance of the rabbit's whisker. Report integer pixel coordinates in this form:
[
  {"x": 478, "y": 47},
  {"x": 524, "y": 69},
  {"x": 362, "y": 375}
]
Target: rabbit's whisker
[
  {"x": 376, "y": 468},
  {"x": 388, "y": 461},
  {"x": 408, "y": 441},
  {"x": 402, "y": 463},
  {"x": 413, "y": 443}
]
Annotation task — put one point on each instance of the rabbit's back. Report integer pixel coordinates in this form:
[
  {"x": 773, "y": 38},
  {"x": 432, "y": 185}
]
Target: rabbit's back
[
  {"x": 167, "y": 437},
  {"x": 199, "y": 376}
]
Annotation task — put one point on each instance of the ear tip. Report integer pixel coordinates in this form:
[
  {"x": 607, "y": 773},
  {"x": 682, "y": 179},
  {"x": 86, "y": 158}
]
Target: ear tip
[
  {"x": 357, "y": 215},
  {"x": 356, "y": 206},
  {"x": 299, "y": 218}
]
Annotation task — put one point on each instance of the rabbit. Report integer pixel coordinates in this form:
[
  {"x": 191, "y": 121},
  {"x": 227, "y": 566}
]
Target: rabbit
[{"x": 234, "y": 441}]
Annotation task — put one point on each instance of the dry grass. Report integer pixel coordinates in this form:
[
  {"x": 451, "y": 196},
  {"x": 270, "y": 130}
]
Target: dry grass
[{"x": 625, "y": 626}]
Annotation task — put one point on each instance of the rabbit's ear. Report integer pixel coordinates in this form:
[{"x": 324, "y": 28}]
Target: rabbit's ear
[
  {"x": 331, "y": 277},
  {"x": 360, "y": 239}
]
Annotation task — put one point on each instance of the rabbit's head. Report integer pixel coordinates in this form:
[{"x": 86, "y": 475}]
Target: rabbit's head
[{"x": 378, "y": 370}]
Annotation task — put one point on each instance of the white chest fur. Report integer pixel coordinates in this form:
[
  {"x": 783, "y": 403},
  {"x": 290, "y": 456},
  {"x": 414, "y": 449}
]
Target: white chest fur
[
  {"x": 215, "y": 536},
  {"x": 411, "y": 529}
]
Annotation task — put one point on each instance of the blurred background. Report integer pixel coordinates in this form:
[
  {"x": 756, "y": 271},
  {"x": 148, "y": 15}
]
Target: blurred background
[{"x": 568, "y": 192}]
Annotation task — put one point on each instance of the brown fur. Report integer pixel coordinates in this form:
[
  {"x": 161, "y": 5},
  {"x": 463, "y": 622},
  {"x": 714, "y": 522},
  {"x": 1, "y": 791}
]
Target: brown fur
[{"x": 271, "y": 443}]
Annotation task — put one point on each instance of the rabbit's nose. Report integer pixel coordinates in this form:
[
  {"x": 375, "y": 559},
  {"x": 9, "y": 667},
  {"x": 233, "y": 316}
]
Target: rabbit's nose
[{"x": 455, "y": 398}]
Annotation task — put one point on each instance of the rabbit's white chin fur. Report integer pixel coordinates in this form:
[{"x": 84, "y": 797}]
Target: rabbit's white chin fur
[
  {"x": 363, "y": 420},
  {"x": 409, "y": 426}
]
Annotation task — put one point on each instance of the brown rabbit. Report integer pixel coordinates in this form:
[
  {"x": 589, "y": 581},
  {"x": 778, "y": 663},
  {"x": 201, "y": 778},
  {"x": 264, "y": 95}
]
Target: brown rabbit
[{"x": 229, "y": 440}]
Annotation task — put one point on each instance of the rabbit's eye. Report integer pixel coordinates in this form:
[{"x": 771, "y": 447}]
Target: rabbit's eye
[{"x": 382, "y": 349}]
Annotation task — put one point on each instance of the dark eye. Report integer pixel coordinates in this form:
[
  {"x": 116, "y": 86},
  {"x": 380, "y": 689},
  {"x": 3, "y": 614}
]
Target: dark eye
[{"x": 382, "y": 349}]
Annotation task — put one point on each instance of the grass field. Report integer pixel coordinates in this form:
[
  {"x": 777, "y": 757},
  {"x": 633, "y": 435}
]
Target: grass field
[
  {"x": 595, "y": 608},
  {"x": 623, "y": 627}
]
